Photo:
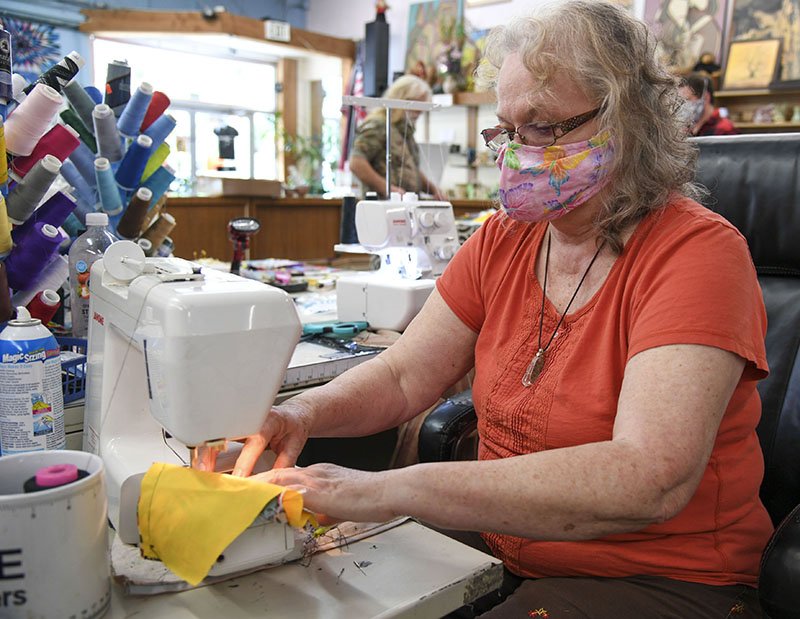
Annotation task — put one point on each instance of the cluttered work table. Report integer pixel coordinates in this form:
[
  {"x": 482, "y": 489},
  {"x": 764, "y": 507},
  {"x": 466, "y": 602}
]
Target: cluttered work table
[{"x": 406, "y": 571}]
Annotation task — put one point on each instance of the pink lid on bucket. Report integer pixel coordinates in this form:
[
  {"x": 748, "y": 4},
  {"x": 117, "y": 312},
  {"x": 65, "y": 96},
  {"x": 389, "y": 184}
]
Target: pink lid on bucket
[{"x": 56, "y": 475}]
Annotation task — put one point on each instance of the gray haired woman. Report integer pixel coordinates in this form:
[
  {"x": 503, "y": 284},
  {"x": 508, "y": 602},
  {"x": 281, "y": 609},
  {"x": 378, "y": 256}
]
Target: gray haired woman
[{"x": 616, "y": 329}]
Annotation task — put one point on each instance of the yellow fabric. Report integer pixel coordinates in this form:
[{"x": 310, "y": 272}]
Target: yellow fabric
[{"x": 188, "y": 517}]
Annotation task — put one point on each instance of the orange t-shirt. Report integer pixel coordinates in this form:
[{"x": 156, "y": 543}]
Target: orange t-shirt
[{"x": 684, "y": 277}]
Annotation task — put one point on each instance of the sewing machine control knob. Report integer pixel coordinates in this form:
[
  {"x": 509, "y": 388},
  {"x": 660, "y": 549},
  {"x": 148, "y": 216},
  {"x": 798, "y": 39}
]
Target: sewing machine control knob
[
  {"x": 444, "y": 253},
  {"x": 427, "y": 219},
  {"x": 442, "y": 219}
]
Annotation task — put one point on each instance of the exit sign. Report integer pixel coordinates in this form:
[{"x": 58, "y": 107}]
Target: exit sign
[{"x": 277, "y": 30}]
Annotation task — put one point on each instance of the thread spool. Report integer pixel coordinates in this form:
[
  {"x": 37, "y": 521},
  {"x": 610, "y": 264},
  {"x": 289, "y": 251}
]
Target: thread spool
[
  {"x": 109, "y": 143},
  {"x": 146, "y": 245},
  {"x": 159, "y": 229},
  {"x": 59, "y": 142},
  {"x": 60, "y": 73},
  {"x": 154, "y": 162},
  {"x": 31, "y": 119},
  {"x": 6, "y": 309},
  {"x": 80, "y": 100},
  {"x": 158, "y": 105},
  {"x": 132, "y": 221},
  {"x": 154, "y": 212},
  {"x": 71, "y": 119},
  {"x": 94, "y": 94},
  {"x": 3, "y": 157},
  {"x": 27, "y": 194},
  {"x": 130, "y": 169},
  {"x": 83, "y": 158},
  {"x": 6, "y": 91},
  {"x": 118, "y": 85},
  {"x": 25, "y": 262},
  {"x": 85, "y": 195},
  {"x": 52, "y": 276},
  {"x": 132, "y": 116},
  {"x": 160, "y": 129},
  {"x": 165, "y": 250},
  {"x": 110, "y": 200},
  {"x": 6, "y": 242},
  {"x": 73, "y": 226},
  {"x": 54, "y": 211},
  {"x": 44, "y": 305},
  {"x": 159, "y": 181}
]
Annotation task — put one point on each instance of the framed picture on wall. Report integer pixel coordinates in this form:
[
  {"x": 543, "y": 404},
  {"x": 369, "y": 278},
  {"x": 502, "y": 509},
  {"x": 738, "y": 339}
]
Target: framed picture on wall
[
  {"x": 751, "y": 64},
  {"x": 780, "y": 19}
]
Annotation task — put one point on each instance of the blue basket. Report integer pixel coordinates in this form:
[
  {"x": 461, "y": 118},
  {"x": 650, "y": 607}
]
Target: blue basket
[{"x": 73, "y": 367}]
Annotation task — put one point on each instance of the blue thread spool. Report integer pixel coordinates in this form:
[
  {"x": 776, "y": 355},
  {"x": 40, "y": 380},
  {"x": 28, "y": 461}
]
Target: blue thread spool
[
  {"x": 81, "y": 101},
  {"x": 54, "y": 212},
  {"x": 94, "y": 94},
  {"x": 130, "y": 170},
  {"x": 158, "y": 182},
  {"x": 83, "y": 158},
  {"x": 25, "y": 262},
  {"x": 85, "y": 195},
  {"x": 132, "y": 116},
  {"x": 27, "y": 193},
  {"x": 110, "y": 200},
  {"x": 160, "y": 129},
  {"x": 73, "y": 226},
  {"x": 109, "y": 142}
]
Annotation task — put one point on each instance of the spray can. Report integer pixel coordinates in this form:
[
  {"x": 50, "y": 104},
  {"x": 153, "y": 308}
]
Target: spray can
[{"x": 31, "y": 399}]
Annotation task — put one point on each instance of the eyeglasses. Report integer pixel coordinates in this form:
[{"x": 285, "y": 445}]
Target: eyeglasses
[{"x": 536, "y": 133}]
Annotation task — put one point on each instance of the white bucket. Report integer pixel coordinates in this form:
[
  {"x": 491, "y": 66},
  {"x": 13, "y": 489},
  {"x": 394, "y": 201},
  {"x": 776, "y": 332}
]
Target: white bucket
[{"x": 54, "y": 559}]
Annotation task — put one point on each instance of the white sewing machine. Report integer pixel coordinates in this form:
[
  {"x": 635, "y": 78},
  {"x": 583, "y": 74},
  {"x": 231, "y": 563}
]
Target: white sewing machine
[
  {"x": 182, "y": 358},
  {"x": 415, "y": 240}
]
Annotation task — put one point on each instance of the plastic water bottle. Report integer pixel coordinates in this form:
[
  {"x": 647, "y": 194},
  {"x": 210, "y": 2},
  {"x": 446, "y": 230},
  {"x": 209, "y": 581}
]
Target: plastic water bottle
[
  {"x": 87, "y": 248},
  {"x": 31, "y": 397}
]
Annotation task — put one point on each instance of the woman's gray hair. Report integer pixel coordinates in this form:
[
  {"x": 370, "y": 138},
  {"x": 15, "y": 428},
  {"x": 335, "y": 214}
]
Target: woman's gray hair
[{"x": 611, "y": 57}]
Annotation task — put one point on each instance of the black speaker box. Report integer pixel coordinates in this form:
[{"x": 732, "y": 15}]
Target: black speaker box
[{"x": 376, "y": 59}]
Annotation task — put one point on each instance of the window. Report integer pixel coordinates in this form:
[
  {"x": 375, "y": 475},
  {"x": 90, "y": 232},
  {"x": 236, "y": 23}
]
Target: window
[{"x": 224, "y": 108}]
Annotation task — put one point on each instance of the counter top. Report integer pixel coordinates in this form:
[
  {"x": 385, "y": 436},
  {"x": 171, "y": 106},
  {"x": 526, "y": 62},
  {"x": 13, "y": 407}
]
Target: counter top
[{"x": 407, "y": 571}]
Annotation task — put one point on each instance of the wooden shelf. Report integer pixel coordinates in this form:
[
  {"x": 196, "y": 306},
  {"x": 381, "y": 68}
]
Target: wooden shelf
[
  {"x": 474, "y": 98},
  {"x": 728, "y": 94}
]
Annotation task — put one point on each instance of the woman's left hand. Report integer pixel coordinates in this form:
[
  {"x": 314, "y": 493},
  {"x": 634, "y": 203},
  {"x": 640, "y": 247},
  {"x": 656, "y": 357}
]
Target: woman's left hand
[{"x": 335, "y": 493}]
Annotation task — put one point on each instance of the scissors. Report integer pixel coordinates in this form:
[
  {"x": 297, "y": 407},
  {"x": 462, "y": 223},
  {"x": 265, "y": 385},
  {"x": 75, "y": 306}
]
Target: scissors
[{"x": 334, "y": 329}]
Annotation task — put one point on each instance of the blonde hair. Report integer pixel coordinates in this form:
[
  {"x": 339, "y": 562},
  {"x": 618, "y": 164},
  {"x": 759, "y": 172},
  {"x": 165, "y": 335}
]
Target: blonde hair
[
  {"x": 611, "y": 57},
  {"x": 406, "y": 87}
]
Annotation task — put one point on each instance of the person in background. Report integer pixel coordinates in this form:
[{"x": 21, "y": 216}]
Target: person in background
[
  {"x": 705, "y": 119},
  {"x": 368, "y": 157},
  {"x": 616, "y": 329}
]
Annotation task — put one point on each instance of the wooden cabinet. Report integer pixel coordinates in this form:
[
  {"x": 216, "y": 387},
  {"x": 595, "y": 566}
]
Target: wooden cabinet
[
  {"x": 295, "y": 228},
  {"x": 742, "y": 104}
]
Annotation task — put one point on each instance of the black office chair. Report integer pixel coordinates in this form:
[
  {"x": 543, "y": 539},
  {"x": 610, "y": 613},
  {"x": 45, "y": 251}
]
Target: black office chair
[{"x": 754, "y": 182}]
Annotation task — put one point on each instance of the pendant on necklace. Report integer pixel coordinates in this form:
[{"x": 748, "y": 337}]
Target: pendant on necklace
[{"x": 535, "y": 368}]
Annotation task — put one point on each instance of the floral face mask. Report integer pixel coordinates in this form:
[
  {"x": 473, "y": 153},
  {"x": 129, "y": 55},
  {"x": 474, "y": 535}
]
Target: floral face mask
[{"x": 543, "y": 183}]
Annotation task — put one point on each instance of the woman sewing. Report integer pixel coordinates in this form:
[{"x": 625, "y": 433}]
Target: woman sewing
[
  {"x": 616, "y": 328},
  {"x": 368, "y": 157}
]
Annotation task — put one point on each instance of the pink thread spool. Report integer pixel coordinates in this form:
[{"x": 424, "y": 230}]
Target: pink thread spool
[
  {"x": 60, "y": 141},
  {"x": 31, "y": 118}
]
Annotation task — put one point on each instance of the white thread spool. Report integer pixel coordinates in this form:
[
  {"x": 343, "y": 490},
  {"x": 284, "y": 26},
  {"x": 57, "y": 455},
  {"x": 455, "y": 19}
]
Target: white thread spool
[{"x": 31, "y": 119}]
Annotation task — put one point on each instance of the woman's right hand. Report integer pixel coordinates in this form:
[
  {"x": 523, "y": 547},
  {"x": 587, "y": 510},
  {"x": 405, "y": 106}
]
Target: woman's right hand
[{"x": 285, "y": 431}]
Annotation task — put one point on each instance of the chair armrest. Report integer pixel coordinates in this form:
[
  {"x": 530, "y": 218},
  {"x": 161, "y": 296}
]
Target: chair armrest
[
  {"x": 445, "y": 429},
  {"x": 778, "y": 589}
]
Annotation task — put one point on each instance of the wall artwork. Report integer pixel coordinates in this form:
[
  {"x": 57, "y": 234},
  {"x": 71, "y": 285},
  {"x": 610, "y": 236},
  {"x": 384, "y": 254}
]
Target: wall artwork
[
  {"x": 686, "y": 29},
  {"x": 751, "y": 64},
  {"x": 35, "y": 47},
  {"x": 759, "y": 19}
]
